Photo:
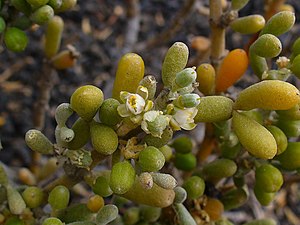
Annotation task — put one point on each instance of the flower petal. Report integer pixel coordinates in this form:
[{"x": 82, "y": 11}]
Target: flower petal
[{"x": 122, "y": 110}]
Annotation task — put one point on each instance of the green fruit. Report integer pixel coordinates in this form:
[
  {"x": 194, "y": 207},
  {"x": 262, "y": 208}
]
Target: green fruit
[
  {"x": 238, "y": 4},
  {"x": 38, "y": 142},
  {"x": 279, "y": 23},
  {"x": 55, "y": 4},
  {"x": 107, "y": 214},
  {"x": 22, "y": 6},
  {"x": 15, "y": 39},
  {"x": 248, "y": 24},
  {"x": 131, "y": 216},
  {"x": 129, "y": 73},
  {"x": 42, "y": 15},
  {"x": 150, "y": 213},
  {"x": 182, "y": 144},
  {"x": 122, "y": 177},
  {"x": 159, "y": 142},
  {"x": 166, "y": 150},
  {"x": 81, "y": 130},
  {"x": 16, "y": 221},
  {"x": 52, "y": 221},
  {"x": 290, "y": 158},
  {"x": 104, "y": 139},
  {"x": 2, "y": 24},
  {"x": 151, "y": 159},
  {"x": 255, "y": 138},
  {"x": 280, "y": 138},
  {"x": 295, "y": 68},
  {"x": 214, "y": 109},
  {"x": 37, "y": 3},
  {"x": 33, "y": 196},
  {"x": 16, "y": 203},
  {"x": 185, "y": 162},
  {"x": 86, "y": 101},
  {"x": 101, "y": 187},
  {"x": 269, "y": 95},
  {"x": 234, "y": 198},
  {"x": 156, "y": 196},
  {"x": 258, "y": 64},
  {"x": 218, "y": 169},
  {"x": 267, "y": 46},
  {"x": 194, "y": 187},
  {"x": 268, "y": 178},
  {"x": 66, "y": 5},
  {"x": 291, "y": 128},
  {"x": 264, "y": 198},
  {"x": 75, "y": 213},
  {"x": 175, "y": 61},
  {"x": 59, "y": 197},
  {"x": 108, "y": 113}
]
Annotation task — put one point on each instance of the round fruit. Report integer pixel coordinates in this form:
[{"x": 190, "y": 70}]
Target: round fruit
[
  {"x": 59, "y": 197},
  {"x": 33, "y": 196},
  {"x": 151, "y": 159},
  {"x": 15, "y": 39},
  {"x": 185, "y": 162},
  {"x": 194, "y": 187},
  {"x": 86, "y": 100},
  {"x": 268, "y": 178}
]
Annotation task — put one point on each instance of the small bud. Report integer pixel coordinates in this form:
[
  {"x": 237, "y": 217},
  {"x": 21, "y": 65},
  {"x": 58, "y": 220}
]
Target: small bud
[
  {"x": 188, "y": 100},
  {"x": 38, "y": 142},
  {"x": 107, "y": 214},
  {"x": 149, "y": 82},
  {"x": 146, "y": 180},
  {"x": 180, "y": 195},
  {"x": 165, "y": 181},
  {"x": 42, "y": 15},
  {"x": 267, "y": 46},
  {"x": 185, "y": 77}
]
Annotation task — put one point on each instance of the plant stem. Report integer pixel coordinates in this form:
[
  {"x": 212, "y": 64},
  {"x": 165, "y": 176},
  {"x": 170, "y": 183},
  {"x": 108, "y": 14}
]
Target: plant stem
[{"x": 217, "y": 33}]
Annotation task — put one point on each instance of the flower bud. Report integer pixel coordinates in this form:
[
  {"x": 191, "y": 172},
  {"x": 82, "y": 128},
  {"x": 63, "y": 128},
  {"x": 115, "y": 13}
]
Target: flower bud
[
  {"x": 149, "y": 82},
  {"x": 175, "y": 61},
  {"x": 188, "y": 100},
  {"x": 279, "y": 23},
  {"x": 165, "y": 181},
  {"x": 248, "y": 24},
  {"x": 107, "y": 214},
  {"x": 267, "y": 46},
  {"x": 80, "y": 158},
  {"x": 38, "y": 142},
  {"x": 185, "y": 77},
  {"x": 42, "y": 15}
]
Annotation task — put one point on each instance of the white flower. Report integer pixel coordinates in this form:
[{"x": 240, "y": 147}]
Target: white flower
[
  {"x": 184, "y": 118},
  {"x": 135, "y": 103}
]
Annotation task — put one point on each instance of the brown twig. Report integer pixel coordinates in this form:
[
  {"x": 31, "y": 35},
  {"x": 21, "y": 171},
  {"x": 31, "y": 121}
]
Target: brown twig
[
  {"x": 133, "y": 25},
  {"x": 45, "y": 85},
  {"x": 174, "y": 27},
  {"x": 217, "y": 33}
]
